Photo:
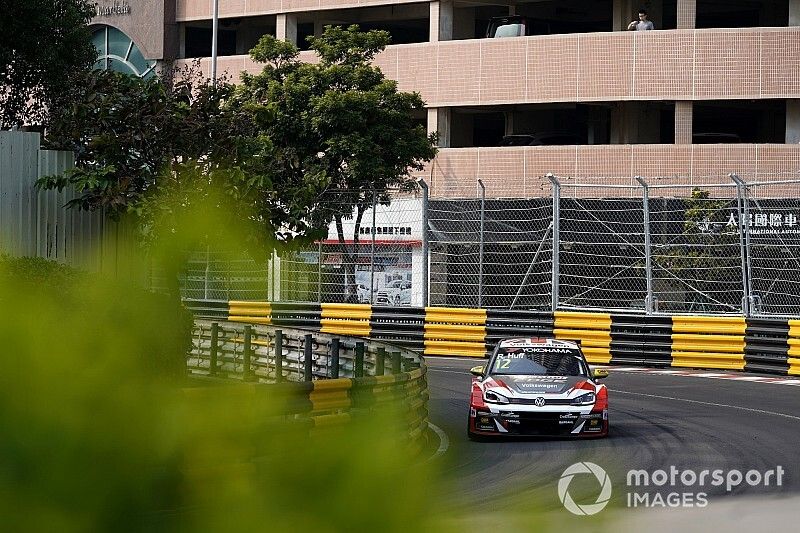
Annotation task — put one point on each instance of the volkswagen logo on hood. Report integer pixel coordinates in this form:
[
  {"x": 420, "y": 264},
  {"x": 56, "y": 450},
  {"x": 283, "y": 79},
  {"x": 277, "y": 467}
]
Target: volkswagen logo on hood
[{"x": 539, "y": 402}]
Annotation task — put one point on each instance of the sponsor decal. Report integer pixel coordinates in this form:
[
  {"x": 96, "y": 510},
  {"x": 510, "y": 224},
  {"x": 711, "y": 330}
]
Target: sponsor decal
[{"x": 539, "y": 386}]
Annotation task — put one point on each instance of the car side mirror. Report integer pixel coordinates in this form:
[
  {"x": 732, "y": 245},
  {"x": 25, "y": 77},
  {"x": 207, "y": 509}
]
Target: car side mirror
[
  {"x": 599, "y": 373},
  {"x": 477, "y": 371}
]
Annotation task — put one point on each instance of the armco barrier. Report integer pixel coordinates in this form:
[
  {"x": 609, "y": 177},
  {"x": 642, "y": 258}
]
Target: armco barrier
[
  {"x": 725, "y": 342},
  {"x": 766, "y": 345},
  {"x": 794, "y": 347},
  {"x": 505, "y": 323},
  {"x": 455, "y": 331},
  {"x": 593, "y": 330},
  {"x": 208, "y": 308},
  {"x": 346, "y": 319},
  {"x": 641, "y": 340},
  {"x": 708, "y": 342},
  {"x": 325, "y": 380},
  {"x": 404, "y": 326}
]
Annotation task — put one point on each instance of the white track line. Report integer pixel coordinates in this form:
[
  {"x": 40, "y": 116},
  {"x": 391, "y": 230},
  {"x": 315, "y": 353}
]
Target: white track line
[
  {"x": 711, "y": 404},
  {"x": 444, "y": 442}
]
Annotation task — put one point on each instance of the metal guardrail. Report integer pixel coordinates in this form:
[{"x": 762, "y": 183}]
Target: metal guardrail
[
  {"x": 324, "y": 379},
  {"x": 769, "y": 345}
]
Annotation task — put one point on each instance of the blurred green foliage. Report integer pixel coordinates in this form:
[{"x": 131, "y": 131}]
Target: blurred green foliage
[{"x": 102, "y": 431}]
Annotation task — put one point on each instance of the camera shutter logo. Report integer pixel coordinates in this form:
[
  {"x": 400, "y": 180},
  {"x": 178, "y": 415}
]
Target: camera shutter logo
[{"x": 590, "y": 508}]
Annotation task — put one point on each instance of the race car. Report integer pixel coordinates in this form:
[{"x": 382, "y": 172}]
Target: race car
[{"x": 537, "y": 387}]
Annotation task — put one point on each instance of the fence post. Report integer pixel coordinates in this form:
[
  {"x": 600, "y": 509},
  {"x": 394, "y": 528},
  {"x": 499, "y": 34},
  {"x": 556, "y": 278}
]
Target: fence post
[
  {"x": 649, "y": 303},
  {"x": 372, "y": 254},
  {"x": 319, "y": 272},
  {"x": 358, "y": 368},
  {"x": 744, "y": 240},
  {"x": 248, "y": 333},
  {"x": 334, "y": 358},
  {"x": 212, "y": 367},
  {"x": 208, "y": 266},
  {"x": 425, "y": 252},
  {"x": 556, "y": 239},
  {"x": 278, "y": 356},
  {"x": 396, "y": 362},
  {"x": 307, "y": 357},
  {"x": 380, "y": 361},
  {"x": 480, "y": 247}
]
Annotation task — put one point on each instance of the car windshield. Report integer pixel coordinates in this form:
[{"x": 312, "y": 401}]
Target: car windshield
[
  {"x": 545, "y": 361},
  {"x": 510, "y": 30}
]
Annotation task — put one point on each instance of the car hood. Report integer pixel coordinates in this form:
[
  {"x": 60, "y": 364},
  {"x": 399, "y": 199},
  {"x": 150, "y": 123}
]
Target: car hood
[{"x": 525, "y": 385}]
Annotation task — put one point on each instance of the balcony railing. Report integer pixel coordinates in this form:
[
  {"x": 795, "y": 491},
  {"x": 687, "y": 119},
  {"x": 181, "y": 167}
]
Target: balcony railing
[{"x": 709, "y": 64}]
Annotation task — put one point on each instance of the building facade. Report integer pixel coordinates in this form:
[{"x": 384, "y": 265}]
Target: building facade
[{"x": 714, "y": 89}]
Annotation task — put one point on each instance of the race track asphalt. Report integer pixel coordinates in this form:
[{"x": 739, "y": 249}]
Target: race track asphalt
[{"x": 656, "y": 422}]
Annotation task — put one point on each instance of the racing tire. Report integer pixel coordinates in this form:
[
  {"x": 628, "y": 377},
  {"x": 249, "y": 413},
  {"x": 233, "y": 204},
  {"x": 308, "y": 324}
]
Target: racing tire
[{"x": 397, "y": 300}]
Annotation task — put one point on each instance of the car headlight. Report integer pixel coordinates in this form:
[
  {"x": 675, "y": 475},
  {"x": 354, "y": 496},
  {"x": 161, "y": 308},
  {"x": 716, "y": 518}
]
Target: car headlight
[
  {"x": 584, "y": 399},
  {"x": 493, "y": 397}
]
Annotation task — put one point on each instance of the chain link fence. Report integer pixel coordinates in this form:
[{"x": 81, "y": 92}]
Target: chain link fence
[{"x": 650, "y": 246}]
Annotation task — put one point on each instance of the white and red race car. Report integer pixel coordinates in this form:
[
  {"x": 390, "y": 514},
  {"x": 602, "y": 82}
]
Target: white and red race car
[{"x": 538, "y": 387}]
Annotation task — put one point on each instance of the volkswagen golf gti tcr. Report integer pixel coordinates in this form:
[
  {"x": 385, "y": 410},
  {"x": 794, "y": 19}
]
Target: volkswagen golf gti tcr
[{"x": 537, "y": 387}]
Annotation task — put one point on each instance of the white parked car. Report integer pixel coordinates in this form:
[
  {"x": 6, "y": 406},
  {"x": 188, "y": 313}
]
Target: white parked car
[
  {"x": 397, "y": 292},
  {"x": 363, "y": 294}
]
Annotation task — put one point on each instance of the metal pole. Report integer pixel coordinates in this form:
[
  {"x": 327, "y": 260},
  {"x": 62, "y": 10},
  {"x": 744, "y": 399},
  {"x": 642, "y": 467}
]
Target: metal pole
[
  {"x": 278, "y": 356},
  {"x": 214, "y": 32},
  {"x": 480, "y": 247},
  {"x": 372, "y": 254},
  {"x": 380, "y": 361},
  {"x": 308, "y": 358},
  {"x": 247, "y": 355},
  {"x": 205, "y": 284},
  {"x": 648, "y": 256},
  {"x": 744, "y": 238},
  {"x": 212, "y": 365},
  {"x": 397, "y": 362},
  {"x": 319, "y": 272},
  {"x": 425, "y": 251},
  {"x": 334, "y": 358},
  {"x": 358, "y": 366},
  {"x": 556, "y": 238}
]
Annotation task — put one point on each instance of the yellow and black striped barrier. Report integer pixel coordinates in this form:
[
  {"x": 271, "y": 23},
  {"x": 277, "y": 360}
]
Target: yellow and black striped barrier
[
  {"x": 593, "y": 330},
  {"x": 793, "y": 353},
  {"x": 758, "y": 344},
  {"x": 708, "y": 342},
  {"x": 346, "y": 319},
  {"x": 455, "y": 331}
]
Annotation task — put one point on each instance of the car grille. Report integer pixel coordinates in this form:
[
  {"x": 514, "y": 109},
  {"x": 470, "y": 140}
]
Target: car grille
[{"x": 547, "y": 401}]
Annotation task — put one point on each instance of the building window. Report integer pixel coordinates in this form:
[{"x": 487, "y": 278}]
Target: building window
[{"x": 116, "y": 51}]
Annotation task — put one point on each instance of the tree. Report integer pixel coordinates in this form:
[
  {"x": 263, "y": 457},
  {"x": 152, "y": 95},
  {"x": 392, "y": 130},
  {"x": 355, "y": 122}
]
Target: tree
[
  {"x": 43, "y": 46},
  {"x": 702, "y": 254},
  {"x": 129, "y": 135},
  {"x": 339, "y": 132}
]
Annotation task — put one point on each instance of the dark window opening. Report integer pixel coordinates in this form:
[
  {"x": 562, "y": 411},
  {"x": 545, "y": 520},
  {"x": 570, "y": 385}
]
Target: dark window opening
[
  {"x": 742, "y": 13},
  {"x": 722, "y": 122},
  {"x": 198, "y": 42}
]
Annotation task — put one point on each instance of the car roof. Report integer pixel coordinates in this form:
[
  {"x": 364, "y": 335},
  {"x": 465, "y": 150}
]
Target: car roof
[{"x": 524, "y": 342}]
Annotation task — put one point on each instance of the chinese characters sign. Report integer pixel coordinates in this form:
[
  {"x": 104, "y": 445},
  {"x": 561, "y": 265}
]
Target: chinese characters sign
[{"x": 769, "y": 222}]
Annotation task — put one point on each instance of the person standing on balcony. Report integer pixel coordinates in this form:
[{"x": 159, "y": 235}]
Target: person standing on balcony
[{"x": 642, "y": 24}]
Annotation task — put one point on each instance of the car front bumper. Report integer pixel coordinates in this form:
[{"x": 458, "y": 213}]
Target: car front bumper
[{"x": 564, "y": 423}]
